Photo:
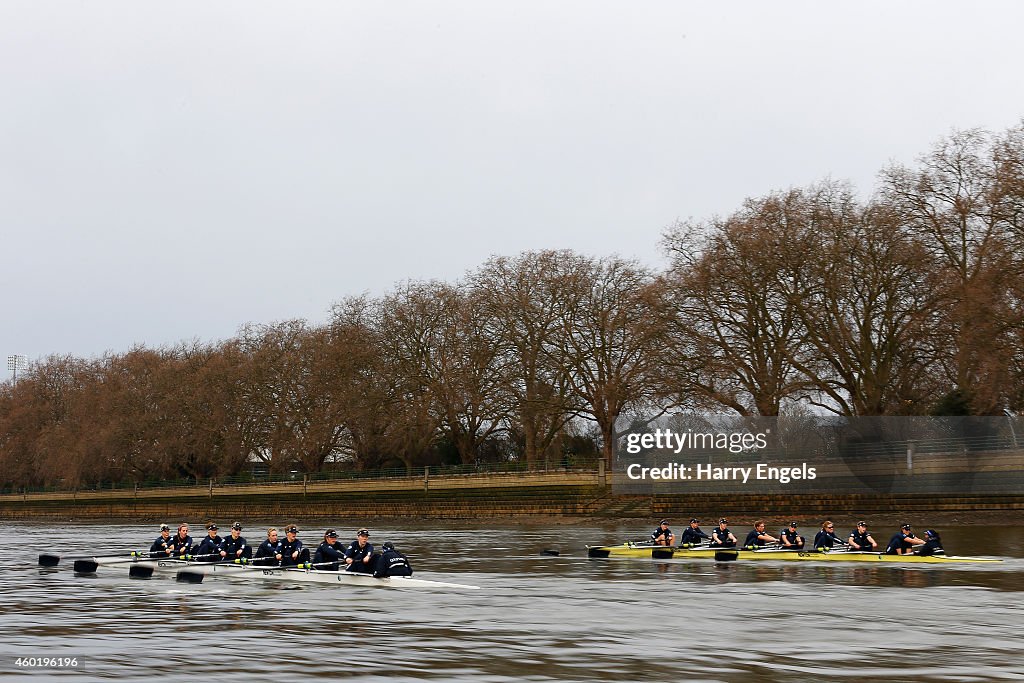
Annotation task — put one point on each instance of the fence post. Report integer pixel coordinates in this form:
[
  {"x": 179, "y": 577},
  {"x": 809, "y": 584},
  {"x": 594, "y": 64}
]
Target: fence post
[
  {"x": 426, "y": 478},
  {"x": 305, "y": 482},
  {"x": 136, "y": 490},
  {"x": 910, "y": 456},
  {"x": 211, "y": 489},
  {"x": 600, "y": 472}
]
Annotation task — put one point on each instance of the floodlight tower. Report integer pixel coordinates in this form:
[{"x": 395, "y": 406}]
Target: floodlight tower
[{"x": 15, "y": 363}]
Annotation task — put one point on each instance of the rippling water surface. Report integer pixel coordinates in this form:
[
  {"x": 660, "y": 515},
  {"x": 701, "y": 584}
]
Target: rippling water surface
[{"x": 536, "y": 618}]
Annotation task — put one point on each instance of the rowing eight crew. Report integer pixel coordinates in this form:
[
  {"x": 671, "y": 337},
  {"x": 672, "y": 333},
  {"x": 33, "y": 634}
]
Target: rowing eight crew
[
  {"x": 903, "y": 542},
  {"x": 358, "y": 557}
]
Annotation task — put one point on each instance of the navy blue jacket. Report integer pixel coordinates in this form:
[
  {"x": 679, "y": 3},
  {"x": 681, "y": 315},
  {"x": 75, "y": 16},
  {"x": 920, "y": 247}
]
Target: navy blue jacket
[
  {"x": 392, "y": 563},
  {"x": 232, "y": 546}
]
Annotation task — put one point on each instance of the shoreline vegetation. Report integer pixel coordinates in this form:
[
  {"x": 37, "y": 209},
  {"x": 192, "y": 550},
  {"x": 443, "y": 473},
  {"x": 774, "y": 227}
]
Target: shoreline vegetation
[{"x": 804, "y": 301}]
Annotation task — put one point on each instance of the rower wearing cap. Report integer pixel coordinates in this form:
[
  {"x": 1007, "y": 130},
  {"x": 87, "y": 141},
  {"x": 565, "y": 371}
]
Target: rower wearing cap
[
  {"x": 826, "y": 538},
  {"x": 330, "y": 554},
  {"x": 758, "y": 537},
  {"x": 903, "y": 542},
  {"x": 722, "y": 536},
  {"x": 269, "y": 552},
  {"x": 359, "y": 554},
  {"x": 663, "y": 535},
  {"x": 182, "y": 541},
  {"x": 291, "y": 548},
  {"x": 235, "y": 546},
  {"x": 209, "y": 549},
  {"x": 790, "y": 539},
  {"x": 392, "y": 563},
  {"x": 860, "y": 539},
  {"x": 932, "y": 544},
  {"x": 163, "y": 546},
  {"x": 692, "y": 535}
]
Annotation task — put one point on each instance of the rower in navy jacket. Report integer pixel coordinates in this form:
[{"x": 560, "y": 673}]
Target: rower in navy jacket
[
  {"x": 392, "y": 563},
  {"x": 182, "y": 542},
  {"x": 330, "y": 551},
  {"x": 903, "y": 542},
  {"x": 292, "y": 552},
  {"x": 269, "y": 552},
  {"x": 209, "y": 549},
  {"x": 359, "y": 554},
  {"x": 933, "y": 544},
  {"x": 758, "y": 537},
  {"x": 692, "y": 535},
  {"x": 235, "y": 546},
  {"x": 826, "y": 538},
  {"x": 790, "y": 539},
  {"x": 861, "y": 540},
  {"x": 662, "y": 535},
  {"x": 721, "y": 536},
  {"x": 163, "y": 546}
]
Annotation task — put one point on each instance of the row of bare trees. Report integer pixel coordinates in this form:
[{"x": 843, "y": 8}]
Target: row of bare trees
[{"x": 910, "y": 302}]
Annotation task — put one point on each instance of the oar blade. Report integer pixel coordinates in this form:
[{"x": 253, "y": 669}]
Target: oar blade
[
  {"x": 190, "y": 576},
  {"x": 549, "y": 551},
  {"x": 86, "y": 566},
  {"x": 48, "y": 560},
  {"x": 598, "y": 552},
  {"x": 140, "y": 571},
  {"x": 662, "y": 553}
]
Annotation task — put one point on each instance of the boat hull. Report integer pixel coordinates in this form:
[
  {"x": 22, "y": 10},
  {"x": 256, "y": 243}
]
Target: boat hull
[{"x": 328, "y": 577}]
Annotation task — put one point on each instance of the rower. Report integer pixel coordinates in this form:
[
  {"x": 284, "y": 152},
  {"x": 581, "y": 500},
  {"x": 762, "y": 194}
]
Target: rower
[
  {"x": 721, "y": 536},
  {"x": 163, "y": 546},
  {"x": 269, "y": 552},
  {"x": 662, "y": 535},
  {"x": 692, "y": 535},
  {"x": 182, "y": 541},
  {"x": 903, "y": 542},
  {"x": 209, "y": 549},
  {"x": 826, "y": 538},
  {"x": 392, "y": 563},
  {"x": 330, "y": 554},
  {"x": 758, "y": 537},
  {"x": 291, "y": 548},
  {"x": 861, "y": 540},
  {"x": 235, "y": 546},
  {"x": 790, "y": 539},
  {"x": 359, "y": 554},
  {"x": 933, "y": 544}
]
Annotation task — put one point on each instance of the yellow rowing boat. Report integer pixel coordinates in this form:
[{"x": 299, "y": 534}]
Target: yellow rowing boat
[{"x": 657, "y": 552}]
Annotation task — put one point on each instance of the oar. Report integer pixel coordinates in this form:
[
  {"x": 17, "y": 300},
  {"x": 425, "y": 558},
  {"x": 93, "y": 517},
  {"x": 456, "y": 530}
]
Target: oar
[
  {"x": 51, "y": 560},
  {"x": 144, "y": 571},
  {"x": 90, "y": 565}
]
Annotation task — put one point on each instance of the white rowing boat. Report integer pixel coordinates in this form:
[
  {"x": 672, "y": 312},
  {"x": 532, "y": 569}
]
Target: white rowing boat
[{"x": 199, "y": 570}]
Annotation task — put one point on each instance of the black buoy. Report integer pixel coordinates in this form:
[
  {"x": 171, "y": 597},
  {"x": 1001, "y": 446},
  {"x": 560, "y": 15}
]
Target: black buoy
[{"x": 549, "y": 551}]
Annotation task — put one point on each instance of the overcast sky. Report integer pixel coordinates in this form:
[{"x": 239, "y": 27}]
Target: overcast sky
[{"x": 171, "y": 171}]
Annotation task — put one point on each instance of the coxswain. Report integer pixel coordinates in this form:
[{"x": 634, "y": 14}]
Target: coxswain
[
  {"x": 330, "y": 554},
  {"x": 903, "y": 542},
  {"x": 269, "y": 552},
  {"x": 932, "y": 544},
  {"x": 758, "y": 537},
  {"x": 860, "y": 539},
  {"x": 826, "y": 538},
  {"x": 392, "y": 563},
  {"x": 790, "y": 539},
  {"x": 235, "y": 546},
  {"x": 721, "y": 536},
  {"x": 182, "y": 541},
  {"x": 359, "y": 554},
  {"x": 292, "y": 551},
  {"x": 210, "y": 548},
  {"x": 692, "y": 535},
  {"x": 163, "y": 546},
  {"x": 662, "y": 535}
]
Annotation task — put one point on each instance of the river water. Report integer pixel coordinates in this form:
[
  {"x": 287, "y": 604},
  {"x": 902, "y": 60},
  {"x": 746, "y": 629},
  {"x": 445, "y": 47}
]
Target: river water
[{"x": 537, "y": 618}]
